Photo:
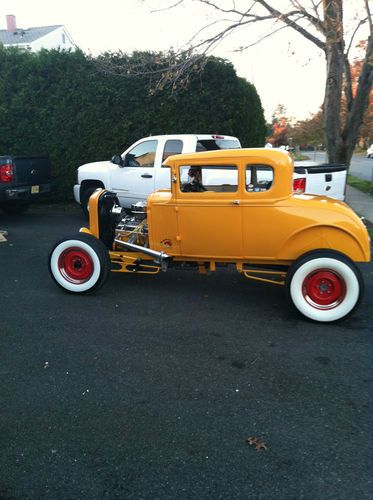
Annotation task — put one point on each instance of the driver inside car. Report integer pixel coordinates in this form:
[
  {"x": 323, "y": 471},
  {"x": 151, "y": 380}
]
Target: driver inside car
[{"x": 195, "y": 184}]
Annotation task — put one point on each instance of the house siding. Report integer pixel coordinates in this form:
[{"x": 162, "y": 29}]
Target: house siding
[{"x": 53, "y": 40}]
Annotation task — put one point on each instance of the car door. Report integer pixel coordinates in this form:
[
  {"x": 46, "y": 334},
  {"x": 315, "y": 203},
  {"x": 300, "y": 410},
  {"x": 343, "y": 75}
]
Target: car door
[
  {"x": 209, "y": 219},
  {"x": 135, "y": 180},
  {"x": 261, "y": 219}
]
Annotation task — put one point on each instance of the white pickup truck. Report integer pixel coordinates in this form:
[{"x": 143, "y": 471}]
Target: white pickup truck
[
  {"x": 325, "y": 179},
  {"x": 138, "y": 171}
]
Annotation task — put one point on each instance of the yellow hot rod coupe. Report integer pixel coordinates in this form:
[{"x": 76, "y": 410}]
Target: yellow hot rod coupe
[{"x": 226, "y": 207}]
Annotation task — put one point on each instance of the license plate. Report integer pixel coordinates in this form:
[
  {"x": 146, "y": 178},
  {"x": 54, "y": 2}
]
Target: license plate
[{"x": 34, "y": 189}]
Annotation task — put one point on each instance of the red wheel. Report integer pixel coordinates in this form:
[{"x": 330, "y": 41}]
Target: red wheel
[
  {"x": 324, "y": 289},
  {"x": 76, "y": 265},
  {"x": 324, "y": 286},
  {"x": 80, "y": 264}
]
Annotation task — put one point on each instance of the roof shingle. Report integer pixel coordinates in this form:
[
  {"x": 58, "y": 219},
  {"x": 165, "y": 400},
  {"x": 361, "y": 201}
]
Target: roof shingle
[{"x": 25, "y": 36}]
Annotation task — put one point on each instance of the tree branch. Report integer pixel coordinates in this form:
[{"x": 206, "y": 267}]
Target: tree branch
[
  {"x": 360, "y": 23},
  {"x": 315, "y": 21},
  {"x": 286, "y": 19},
  {"x": 176, "y": 4},
  {"x": 355, "y": 116},
  {"x": 369, "y": 16},
  {"x": 348, "y": 82}
]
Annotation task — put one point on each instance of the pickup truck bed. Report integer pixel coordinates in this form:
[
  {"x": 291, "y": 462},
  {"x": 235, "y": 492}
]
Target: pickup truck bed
[
  {"x": 322, "y": 178},
  {"x": 23, "y": 179}
]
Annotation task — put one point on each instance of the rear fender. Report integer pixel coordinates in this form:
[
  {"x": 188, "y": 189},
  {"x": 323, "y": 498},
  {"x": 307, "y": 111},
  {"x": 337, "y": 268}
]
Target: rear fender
[{"x": 327, "y": 237}]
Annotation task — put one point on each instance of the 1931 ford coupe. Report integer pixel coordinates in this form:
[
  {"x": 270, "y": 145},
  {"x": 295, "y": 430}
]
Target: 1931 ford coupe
[{"x": 226, "y": 207}]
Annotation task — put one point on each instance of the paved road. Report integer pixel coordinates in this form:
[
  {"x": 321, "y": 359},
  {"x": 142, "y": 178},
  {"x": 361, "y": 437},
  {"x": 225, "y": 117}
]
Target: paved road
[
  {"x": 361, "y": 166},
  {"x": 149, "y": 388}
]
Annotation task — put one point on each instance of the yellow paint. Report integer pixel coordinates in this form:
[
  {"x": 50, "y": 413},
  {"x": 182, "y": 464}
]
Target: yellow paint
[
  {"x": 271, "y": 227},
  {"x": 93, "y": 211},
  {"x": 126, "y": 262}
]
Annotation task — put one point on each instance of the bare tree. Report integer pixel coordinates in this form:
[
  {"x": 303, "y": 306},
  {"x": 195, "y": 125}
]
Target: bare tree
[{"x": 322, "y": 23}]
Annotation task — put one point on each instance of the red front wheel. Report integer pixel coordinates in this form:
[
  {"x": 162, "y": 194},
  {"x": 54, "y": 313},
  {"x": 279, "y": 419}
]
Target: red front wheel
[
  {"x": 79, "y": 264},
  {"x": 324, "y": 286}
]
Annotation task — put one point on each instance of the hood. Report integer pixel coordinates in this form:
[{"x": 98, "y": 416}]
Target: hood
[{"x": 96, "y": 170}]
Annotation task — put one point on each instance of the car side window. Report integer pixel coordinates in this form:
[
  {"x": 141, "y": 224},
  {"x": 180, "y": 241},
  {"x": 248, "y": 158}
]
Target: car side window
[
  {"x": 258, "y": 178},
  {"x": 200, "y": 178},
  {"x": 142, "y": 155},
  {"x": 172, "y": 147}
]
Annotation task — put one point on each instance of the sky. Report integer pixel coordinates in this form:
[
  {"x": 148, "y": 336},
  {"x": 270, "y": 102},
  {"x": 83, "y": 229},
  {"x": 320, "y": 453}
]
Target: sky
[{"x": 285, "y": 69}]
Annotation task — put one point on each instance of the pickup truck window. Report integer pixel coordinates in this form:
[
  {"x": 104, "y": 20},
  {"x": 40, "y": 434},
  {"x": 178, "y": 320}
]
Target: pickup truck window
[
  {"x": 172, "y": 147},
  {"x": 200, "y": 178},
  {"x": 142, "y": 155},
  {"x": 215, "y": 144},
  {"x": 258, "y": 178}
]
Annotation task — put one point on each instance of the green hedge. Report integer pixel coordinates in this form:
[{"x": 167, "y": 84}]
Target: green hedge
[{"x": 65, "y": 105}]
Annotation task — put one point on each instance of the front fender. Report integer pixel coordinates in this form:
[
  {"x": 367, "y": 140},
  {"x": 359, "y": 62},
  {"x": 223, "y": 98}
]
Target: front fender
[{"x": 96, "y": 171}]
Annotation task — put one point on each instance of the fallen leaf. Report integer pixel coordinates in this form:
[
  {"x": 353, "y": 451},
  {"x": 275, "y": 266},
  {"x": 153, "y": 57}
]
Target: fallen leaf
[{"x": 259, "y": 445}]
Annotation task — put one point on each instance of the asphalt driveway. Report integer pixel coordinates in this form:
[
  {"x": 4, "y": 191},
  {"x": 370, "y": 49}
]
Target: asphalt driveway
[{"x": 149, "y": 388}]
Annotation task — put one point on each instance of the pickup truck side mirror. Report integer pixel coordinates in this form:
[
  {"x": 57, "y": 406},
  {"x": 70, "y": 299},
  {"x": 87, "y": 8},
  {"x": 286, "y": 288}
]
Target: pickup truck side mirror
[{"x": 117, "y": 160}]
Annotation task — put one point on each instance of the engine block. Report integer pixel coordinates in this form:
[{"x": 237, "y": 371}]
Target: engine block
[{"x": 133, "y": 227}]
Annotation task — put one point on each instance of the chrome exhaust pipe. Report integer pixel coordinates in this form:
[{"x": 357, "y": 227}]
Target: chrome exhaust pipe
[{"x": 159, "y": 257}]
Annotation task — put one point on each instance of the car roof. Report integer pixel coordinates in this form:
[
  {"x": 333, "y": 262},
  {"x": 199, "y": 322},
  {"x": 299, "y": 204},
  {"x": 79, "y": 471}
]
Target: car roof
[
  {"x": 260, "y": 153},
  {"x": 199, "y": 137}
]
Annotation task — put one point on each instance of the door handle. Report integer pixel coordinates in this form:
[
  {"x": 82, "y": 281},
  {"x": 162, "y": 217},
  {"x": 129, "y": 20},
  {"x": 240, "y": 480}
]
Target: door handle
[
  {"x": 236, "y": 202},
  {"x": 147, "y": 176}
]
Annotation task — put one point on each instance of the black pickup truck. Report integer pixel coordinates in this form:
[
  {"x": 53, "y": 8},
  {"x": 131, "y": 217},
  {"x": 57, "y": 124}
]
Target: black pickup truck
[{"x": 23, "y": 179}]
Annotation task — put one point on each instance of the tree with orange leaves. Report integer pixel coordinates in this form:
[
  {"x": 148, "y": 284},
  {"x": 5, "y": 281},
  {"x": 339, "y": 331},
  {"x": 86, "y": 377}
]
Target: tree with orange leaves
[{"x": 330, "y": 25}]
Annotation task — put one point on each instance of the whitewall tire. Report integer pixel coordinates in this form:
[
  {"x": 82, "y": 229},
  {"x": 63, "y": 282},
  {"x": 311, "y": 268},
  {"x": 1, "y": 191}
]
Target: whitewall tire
[
  {"x": 324, "y": 286},
  {"x": 79, "y": 264}
]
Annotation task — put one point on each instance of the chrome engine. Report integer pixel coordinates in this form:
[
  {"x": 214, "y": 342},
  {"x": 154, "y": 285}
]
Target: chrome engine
[{"x": 133, "y": 227}]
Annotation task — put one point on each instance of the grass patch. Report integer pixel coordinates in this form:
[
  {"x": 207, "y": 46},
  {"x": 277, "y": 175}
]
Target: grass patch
[
  {"x": 299, "y": 157},
  {"x": 364, "y": 186}
]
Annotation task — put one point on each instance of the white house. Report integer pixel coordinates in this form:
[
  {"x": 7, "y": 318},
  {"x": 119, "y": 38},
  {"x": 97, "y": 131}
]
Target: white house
[{"x": 34, "y": 39}]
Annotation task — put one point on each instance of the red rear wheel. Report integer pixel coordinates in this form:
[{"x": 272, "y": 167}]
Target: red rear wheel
[
  {"x": 324, "y": 286},
  {"x": 324, "y": 289}
]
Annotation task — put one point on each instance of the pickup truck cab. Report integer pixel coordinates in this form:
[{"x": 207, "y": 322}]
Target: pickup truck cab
[
  {"x": 23, "y": 179},
  {"x": 309, "y": 244},
  {"x": 138, "y": 171}
]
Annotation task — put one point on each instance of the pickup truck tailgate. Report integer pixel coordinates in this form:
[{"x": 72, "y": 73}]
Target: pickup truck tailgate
[
  {"x": 32, "y": 170},
  {"x": 325, "y": 178}
]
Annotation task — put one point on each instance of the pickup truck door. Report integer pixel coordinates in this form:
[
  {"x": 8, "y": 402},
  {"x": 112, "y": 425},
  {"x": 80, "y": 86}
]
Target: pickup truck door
[
  {"x": 169, "y": 147},
  {"x": 135, "y": 180},
  {"x": 209, "y": 222}
]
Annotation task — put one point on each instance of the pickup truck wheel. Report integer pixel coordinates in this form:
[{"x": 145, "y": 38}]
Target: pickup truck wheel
[
  {"x": 324, "y": 286},
  {"x": 85, "y": 199},
  {"x": 15, "y": 208},
  {"x": 79, "y": 264}
]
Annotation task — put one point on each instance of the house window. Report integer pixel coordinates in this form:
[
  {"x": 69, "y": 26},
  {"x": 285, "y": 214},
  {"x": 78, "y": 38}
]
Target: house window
[{"x": 63, "y": 38}]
